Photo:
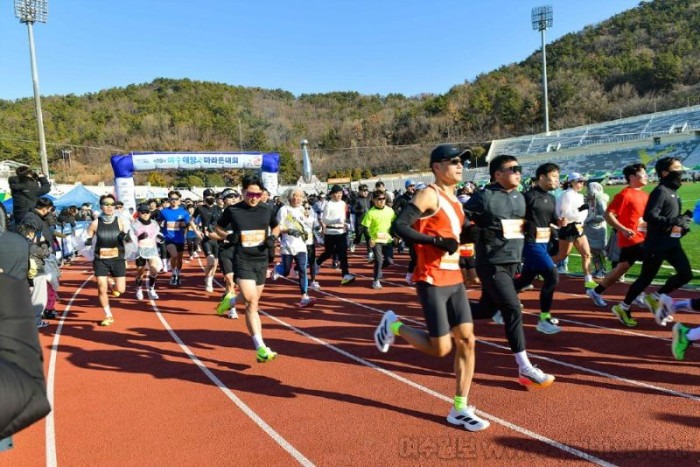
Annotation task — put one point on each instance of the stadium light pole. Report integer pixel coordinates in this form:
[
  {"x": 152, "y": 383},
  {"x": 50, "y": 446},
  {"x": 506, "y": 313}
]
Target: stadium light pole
[
  {"x": 29, "y": 12},
  {"x": 543, "y": 18}
]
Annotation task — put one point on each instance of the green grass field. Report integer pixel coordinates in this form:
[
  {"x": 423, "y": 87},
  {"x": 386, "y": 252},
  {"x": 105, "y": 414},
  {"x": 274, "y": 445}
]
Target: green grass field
[{"x": 690, "y": 194}]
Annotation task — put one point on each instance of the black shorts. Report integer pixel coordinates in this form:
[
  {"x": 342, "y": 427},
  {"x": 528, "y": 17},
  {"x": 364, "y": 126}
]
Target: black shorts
[
  {"x": 443, "y": 307},
  {"x": 570, "y": 232},
  {"x": 141, "y": 262},
  {"x": 226, "y": 260},
  {"x": 179, "y": 247},
  {"x": 210, "y": 247},
  {"x": 632, "y": 254},
  {"x": 252, "y": 270},
  {"x": 109, "y": 267}
]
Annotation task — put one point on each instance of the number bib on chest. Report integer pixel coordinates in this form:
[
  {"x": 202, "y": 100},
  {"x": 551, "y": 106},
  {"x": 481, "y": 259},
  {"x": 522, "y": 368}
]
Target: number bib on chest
[
  {"x": 512, "y": 228},
  {"x": 109, "y": 253},
  {"x": 676, "y": 232},
  {"x": 172, "y": 225},
  {"x": 543, "y": 234},
  {"x": 383, "y": 237},
  {"x": 252, "y": 238}
]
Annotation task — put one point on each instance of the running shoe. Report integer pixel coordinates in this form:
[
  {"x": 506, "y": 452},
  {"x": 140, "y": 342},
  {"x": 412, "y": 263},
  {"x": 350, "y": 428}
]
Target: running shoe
[
  {"x": 526, "y": 288},
  {"x": 49, "y": 314},
  {"x": 306, "y": 302},
  {"x": 590, "y": 284},
  {"x": 232, "y": 314},
  {"x": 109, "y": 320},
  {"x": 173, "y": 280},
  {"x": 498, "y": 318},
  {"x": 534, "y": 377},
  {"x": 224, "y": 304},
  {"x": 315, "y": 285},
  {"x": 624, "y": 316},
  {"x": 347, "y": 279},
  {"x": 664, "y": 310},
  {"x": 596, "y": 297},
  {"x": 680, "y": 341},
  {"x": 178, "y": 280},
  {"x": 376, "y": 285},
  {"x": 42, "y": 325},
  {"x": 639, "y": 301},
  {"x": 152, "y": 294},
  {"x": 275, "y": 272},
  {"x": 383, "y": 336},
  {"x": 548, "y": 326},
  {"x": 352, "y": 248},
  {"x": 409, "y": 278},
  {"x": 265, "y": 354},
  {"x": 651, "y": 301},
  {"x": 209, "y": 287},
  {"x": 139, "y": 294},
  {"x": 195, "y": 255},
  {"x": 467, "y": 418}
]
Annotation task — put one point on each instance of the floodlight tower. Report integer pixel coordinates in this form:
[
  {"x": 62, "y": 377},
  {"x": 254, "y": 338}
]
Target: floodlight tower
[
  {"x": 29, "y": 12},
  {"x": 543, "y": 18}
]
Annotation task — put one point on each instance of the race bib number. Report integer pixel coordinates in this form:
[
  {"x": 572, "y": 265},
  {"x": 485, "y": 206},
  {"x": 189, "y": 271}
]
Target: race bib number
[
  {"x": 466, "y": 250},
  {"x": 383, "y": 237},
  {"x": 543, "y": 234},
  {"x": 109, "y": 253},
  {"x": 450, "y": 262},
  {"x": 676, "y": 232},
  {"x": 172, "y": 226},
  {"x": 512, "y": 228},
  {"x": 642, "y": 225},
  {"x": 252, "y": 238}
]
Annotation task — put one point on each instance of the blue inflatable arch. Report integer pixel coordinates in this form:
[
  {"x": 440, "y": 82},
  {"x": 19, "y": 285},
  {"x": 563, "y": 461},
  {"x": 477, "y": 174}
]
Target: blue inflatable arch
[{"x": 124, "y": 166}]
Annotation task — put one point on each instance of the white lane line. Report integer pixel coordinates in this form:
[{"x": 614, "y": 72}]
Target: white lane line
[
  {"x": 524, "y": 431},
  {"x": 533, "y": 355},
  {"x": 235, "y": 399},
  {"x": 51, "y": 459}
]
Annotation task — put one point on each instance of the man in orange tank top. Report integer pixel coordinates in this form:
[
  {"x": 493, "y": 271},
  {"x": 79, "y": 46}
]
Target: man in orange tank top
[{"x": 433, "y": 223}]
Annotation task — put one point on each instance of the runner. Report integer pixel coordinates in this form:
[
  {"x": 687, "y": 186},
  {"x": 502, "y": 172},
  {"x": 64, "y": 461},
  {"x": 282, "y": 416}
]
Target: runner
[
  {"x": 683, "y": 336},
  {"x": 208, "y": 214},
  {"x": 499, "y": 211},
  {"x": 108, "y": 234},
  {"x": 175, "y": 220},
  {"x": 360, "y": 207},
  {"x": 248, "y": 222},
  {"x": 311, "y": 224},
  {"x": 227, "y": 255},
  {"x": 378, "y": 221},
  {"x": 432, "y": 222},
  {"x": 335, "y": 229},
  {"x": 148, "y": 263},
  {"x": 572, "y": 211},
  {"x": 540, "y": 217},
  {"x": 625, "y": 215},
  {"x": 290, "y": 219},
  {"x": 665, "y": 227}
]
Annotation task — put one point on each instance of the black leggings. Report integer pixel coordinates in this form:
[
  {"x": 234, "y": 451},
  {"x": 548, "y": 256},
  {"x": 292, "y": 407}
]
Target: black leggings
[
  {"x": 337, "y": 244},
  {"x": 310, "y": 260},
  {"x": 361, "y": 231},
  {"x": 551, "y": 279},
  {"x": 653, "y": 259},
  {"x": 499, "y": 293}
]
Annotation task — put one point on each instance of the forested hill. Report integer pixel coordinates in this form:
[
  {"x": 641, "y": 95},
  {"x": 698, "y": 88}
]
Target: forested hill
[{"x": 644, "y": 59}]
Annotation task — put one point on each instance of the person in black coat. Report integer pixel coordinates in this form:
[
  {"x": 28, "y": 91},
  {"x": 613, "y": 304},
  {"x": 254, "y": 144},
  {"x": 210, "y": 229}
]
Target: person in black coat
[
  {"x": 14, "y": 251},
  {"x": 26, "y": 187}
]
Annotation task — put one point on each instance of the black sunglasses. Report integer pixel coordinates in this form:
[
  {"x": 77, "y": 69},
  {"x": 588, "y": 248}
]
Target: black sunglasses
[
  {"x": 106, "y": 204},
  {"x": 174, "y": 199},
  {"x": 455, "y": 161},
  {"x": 380, "y": 199},
  {"x": 516, "y": 169}
]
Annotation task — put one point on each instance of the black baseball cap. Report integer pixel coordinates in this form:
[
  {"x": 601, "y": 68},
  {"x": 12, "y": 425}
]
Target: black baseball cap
[
  {"x": 209, "y": 193},
  {"x": 448, "y": 151},
  {"x": 143, "y": 207}
]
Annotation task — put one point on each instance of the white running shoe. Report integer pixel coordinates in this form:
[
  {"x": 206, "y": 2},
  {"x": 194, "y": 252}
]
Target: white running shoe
[
  {"x": 527, "y": 287},
  {"x": 409, "y": 278},
  {"x": 347, "y": 278},
  {"x": 315, "y": 285},
  {"x": 383, "y": 336},
  {"x": 152, "y": 294},
  {"x": 596, "y": 297},
  {"x": 209, "y": 287},
  {"x": 139, "y": 294},
  {"x": 352, "y": 248},
  {"x": 664, "y": 310},
  {"x": 306, "y": 302},
  {"x": 275, "y": 272},
  {"x": 232, "y": 314},
  {"x": 639, "y": 301},
  {"x": 548, "y": 326},
  {"x": 376, "y": 285},
  {"x": 535, "y": 377},
  {"x": 498, "y": 318},
  {"x": 468, "y": 419}
]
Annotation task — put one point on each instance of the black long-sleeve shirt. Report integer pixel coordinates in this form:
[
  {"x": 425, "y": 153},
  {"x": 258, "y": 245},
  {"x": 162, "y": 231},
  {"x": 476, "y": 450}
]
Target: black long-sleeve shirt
[
  {"x": 663, "y": 207},
  {"x": 25, "y": 192},
  {"x": 540, "y": 212}
]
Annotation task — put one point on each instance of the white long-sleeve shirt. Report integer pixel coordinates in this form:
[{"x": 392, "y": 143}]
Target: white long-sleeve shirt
[
  {"x": 333, "y": 217},
  {"x": 568, "y": 204}
]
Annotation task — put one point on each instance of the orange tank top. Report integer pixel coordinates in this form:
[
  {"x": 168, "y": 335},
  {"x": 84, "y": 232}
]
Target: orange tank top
[{"x": 433, "y": 265}]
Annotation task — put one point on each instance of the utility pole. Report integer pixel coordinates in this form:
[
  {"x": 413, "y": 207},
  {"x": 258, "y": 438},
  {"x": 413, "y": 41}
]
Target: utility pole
[{"x": 543, "y": 18}]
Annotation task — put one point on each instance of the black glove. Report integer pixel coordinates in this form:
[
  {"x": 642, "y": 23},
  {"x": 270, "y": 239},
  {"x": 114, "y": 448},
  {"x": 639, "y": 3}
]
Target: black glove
[
  {"x": 583, "y": 207},
  {"x": 294, "y": 233},
  {"x": 142, "y": 235},
  {"x": 270, "y": 242},
  {"x": 234, "y": 238},
  {"x": 683, "y": 222},
  {"x": 450, "y": 245},
  {"x": 124, "y": 237},
  {"x": 160, "y": 238},
  {"x": 88, "y": 241}
]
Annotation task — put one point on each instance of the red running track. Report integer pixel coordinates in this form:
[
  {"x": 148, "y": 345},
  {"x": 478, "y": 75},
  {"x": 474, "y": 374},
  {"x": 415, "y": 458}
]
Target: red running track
[{"x": 172, "y": 382}]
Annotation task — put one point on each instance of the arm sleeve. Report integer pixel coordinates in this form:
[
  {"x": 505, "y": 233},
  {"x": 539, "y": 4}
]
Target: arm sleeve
[{"x": 403, "y": 226}]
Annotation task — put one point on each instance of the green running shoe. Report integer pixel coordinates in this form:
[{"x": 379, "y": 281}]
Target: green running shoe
[
  {"x": 224, "y": 304},
  {"x": 624, "y": 316},
  {"x": 651, "y": 300},
  {"x": 680, "y": 341},
  {"x": 590, "y": 284},
  {"x": 265, "y": 354}
]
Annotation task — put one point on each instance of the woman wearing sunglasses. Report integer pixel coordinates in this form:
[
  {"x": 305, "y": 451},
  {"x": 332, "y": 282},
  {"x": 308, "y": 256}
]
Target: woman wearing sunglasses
[
  {"x": 249, "y": 223},
  {"x": 108, "y": 234}
]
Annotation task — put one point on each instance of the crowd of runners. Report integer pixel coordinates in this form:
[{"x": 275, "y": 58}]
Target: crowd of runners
[{"x": 499, "y": 238}]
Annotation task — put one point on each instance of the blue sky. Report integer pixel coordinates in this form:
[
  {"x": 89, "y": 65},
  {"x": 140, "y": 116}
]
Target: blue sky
[{"x": 373, "y": 47}]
